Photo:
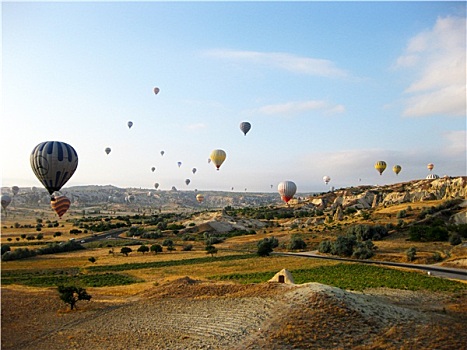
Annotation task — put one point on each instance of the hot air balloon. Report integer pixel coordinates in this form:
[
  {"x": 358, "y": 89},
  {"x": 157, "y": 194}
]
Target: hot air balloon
[
  {"x": 107, "y": 150},
  {"x": 5, "y": 200},
  {"x": 326, "y": 179},
  {"x": 287, "y": 190},
  {"x": 60, "y": 204},
  {"x": 397, "y": 169},
  {"x": 179, "y": 164},
  {"x": 174, "y": 188},
  {"x": 156, "y": 90},
  {"x": 162, "y": 153},
  {"x": 156, "y": 185},
  {"x": 380, "y": 166},
  {"x": 245, "y": 127},
  {"x": 153, "y": 169},
  {"x": 432, "y": 177},
  {"x": 54, "y": 163},
  {"x": 218, "y": 156},
  {"x": 15, "y": 190},
  {"x": 193, "y": 170},
  {"x": 187, "y": 181},
  {"x": 199, "y": 198},
  {"x": 430, "y": 166},
  {"x": 130, "y": 124},
  {"x": 130, "y": 198},
  {"x": 209, "y": 160}
]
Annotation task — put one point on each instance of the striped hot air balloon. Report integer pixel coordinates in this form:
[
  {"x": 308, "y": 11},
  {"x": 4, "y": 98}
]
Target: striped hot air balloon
[
  {"x": 54, "y": 163},
  {"x": 397, "y": 169},
  {"x": 430, "y": 166},
  {"x": 218, "y": 156},
  {"x": 60, "y": 204},
  {"x": 380, "y": 166},
  {"x": 287, "y": 190}
]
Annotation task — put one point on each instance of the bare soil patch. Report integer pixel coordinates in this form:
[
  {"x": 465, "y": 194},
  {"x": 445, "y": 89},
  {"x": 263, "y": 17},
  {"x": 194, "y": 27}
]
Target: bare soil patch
[{"x": 193, "y": 314}]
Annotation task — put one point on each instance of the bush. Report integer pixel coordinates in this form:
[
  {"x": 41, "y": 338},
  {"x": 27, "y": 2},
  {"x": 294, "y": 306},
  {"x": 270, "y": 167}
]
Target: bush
[
  {"x": 344, "y": 245},
  {"x": 210, "y": 249},
  {"x": 325, "y": 247},
  {"x": 187, "y": 248},
  {"x": 266, "y": 246},
  {"x": 156, "y": 248},
  {"x": 71, "y": 295},
  {"x": 126, "y": 250},
  {"x": 167, "y": 242},
  {"x": 5, "y": 248},
  {"x": 401, "y": 214},
  {"x": 143, "y": 249},
  {"x": 364, "y": 250},
  {"x": 296, "y": 243},
  {"x": 455, "y": 239}
]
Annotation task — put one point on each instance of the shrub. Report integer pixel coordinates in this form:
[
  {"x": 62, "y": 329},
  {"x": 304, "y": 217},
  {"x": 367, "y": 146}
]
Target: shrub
[
  {"x": 126, "y": 250},
  {"x": 143, "y": 249},
  {"x": 455, "y": 239},
  {"x": 343, "y": 246},
  {"x": 411, "y": 253},
  {"x": 156, "y": 248},
  {"x": 325, "y": 247},
  {"x": 5, "y": 248},
  {"x": 187, "y": 248},
  {"x": 401, "y": 214},
  {"x": 296, "y": 243},
  {"x": 71, "y": 295}
]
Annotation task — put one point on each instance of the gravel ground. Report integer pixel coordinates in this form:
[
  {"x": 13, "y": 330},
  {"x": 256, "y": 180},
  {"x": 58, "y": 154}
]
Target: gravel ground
[{"x": 188, "y": 314}]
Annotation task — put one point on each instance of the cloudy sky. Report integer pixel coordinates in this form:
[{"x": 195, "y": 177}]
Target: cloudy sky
[{"x": 329, "y": 88}]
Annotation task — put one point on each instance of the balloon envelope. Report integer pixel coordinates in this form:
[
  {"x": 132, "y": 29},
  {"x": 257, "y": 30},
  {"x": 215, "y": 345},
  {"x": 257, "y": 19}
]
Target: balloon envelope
[
  {"x": 60, "y": 204},
  {"x": 130, "y": 124},
  {"x": 5, "y": 200},
  {"x": 15, "y": 190},
  {"x": 187, "y": 181},
  {"x": 326, "y": 179},
  {"x": 107, "y": 150},
  {"x": 153, "y": 169},
  {"x": 179, "y": 164},
  {"x": 193, "y": 170},
  {"x": 287, "y": 190},
  {"x": 156, "y": 185},
  {"x": 218, "y": 156},
  {"x": 430, "y": 166},
  {"x": 245, "y": 127},
  {"x": 432, "y": 177},
  {"x": 162, "y": 153},
  {"x": 199, "y": 198},
  {"x": 54, "y": 163},
  {"x": 380, "y": 166},
  {"x": 156, "y": 90},
  {"x": 397, "y": 169}
]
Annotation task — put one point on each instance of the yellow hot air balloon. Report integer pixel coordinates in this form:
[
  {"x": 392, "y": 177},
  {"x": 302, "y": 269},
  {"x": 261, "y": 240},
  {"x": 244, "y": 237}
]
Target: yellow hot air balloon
[
  {"x": 397, "y": 169},
  {"x": 218, "y": 156},
  {"x": 380, "y": 166},
  {"x": 199, "y": 198},
  {"x": 430, "y": 166},
  {"x": 60, "y": 204}
]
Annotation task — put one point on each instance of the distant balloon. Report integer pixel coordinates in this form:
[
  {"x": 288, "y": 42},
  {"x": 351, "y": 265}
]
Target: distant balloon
[
  {"x": 326, "y": 179},
  {"x": 287, "y": 190},
  {"x": 174, "y": 188},
  {"x": 245, "y": 127},
  {"x": 209, "y": 160},
  {"x": 108, "y": 150},
  {"x": 193, "y": 170},
  {"x": 218, "y": 156},
  {"x": 397, "y": 169},
  {"x": 200, "y": 198},
  {"x": 15, "y": 190},
  {"x": 187, "y": 181},
  {"x": 156, "y": 90},
  {"x": 162, "y": 153},
  {"x": 380, "y": 166},
  {"x": 60, "y": 204},
  {"x": 54, "y": 163},
  {"x": 6, "y": 200},
  {"x": 153, "y": 169},
  {"x": 130, "y": 198},
  {"x": 130, "y": 124},
  {"x": 156, "y": 185},
  {"x": 430, "y": 166},
  {"x": 432, "y": 177},
  {"x": 179, "y": 164}
]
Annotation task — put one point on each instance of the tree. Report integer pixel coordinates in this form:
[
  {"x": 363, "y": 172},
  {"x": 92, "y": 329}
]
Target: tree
[
  {"x": 265, "y": 246},
  {"x": 411, "y": 253},
  {"x": 72, "y": 294},
  {"x": 126, "y": 250},
  {"x": 170, "y": 248},
  {"x": 296, "y": 243},
  {"x": 455, "y": 239},
  {"x": 5, "y": 248},
  {"x": 210, "y": 249},
  {"x": 92, "y": 259},
  {"x": 143, "y": 249},
  {"x": 156, "y": 248}
]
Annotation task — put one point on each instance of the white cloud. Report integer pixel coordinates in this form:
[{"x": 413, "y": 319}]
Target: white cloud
[
  {"x": 438, "y": 58},
  {"x": 281, "y": 60},
  {"x": 456, "y": 143},
  {"x": 297, "y": 107}
]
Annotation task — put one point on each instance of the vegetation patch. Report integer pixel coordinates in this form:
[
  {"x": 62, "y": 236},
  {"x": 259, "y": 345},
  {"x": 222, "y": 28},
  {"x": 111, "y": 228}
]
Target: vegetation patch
[{"x": 355, "y": 277}]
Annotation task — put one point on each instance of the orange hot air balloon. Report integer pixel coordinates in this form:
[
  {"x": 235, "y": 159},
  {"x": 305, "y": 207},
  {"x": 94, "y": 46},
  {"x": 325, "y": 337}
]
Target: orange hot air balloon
[
  {"x": 430, "y": 166},
  {"x": 60, "y": 204}
]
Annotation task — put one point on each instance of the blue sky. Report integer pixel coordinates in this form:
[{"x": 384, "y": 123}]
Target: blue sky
[{"x": 329, "y": 88}]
